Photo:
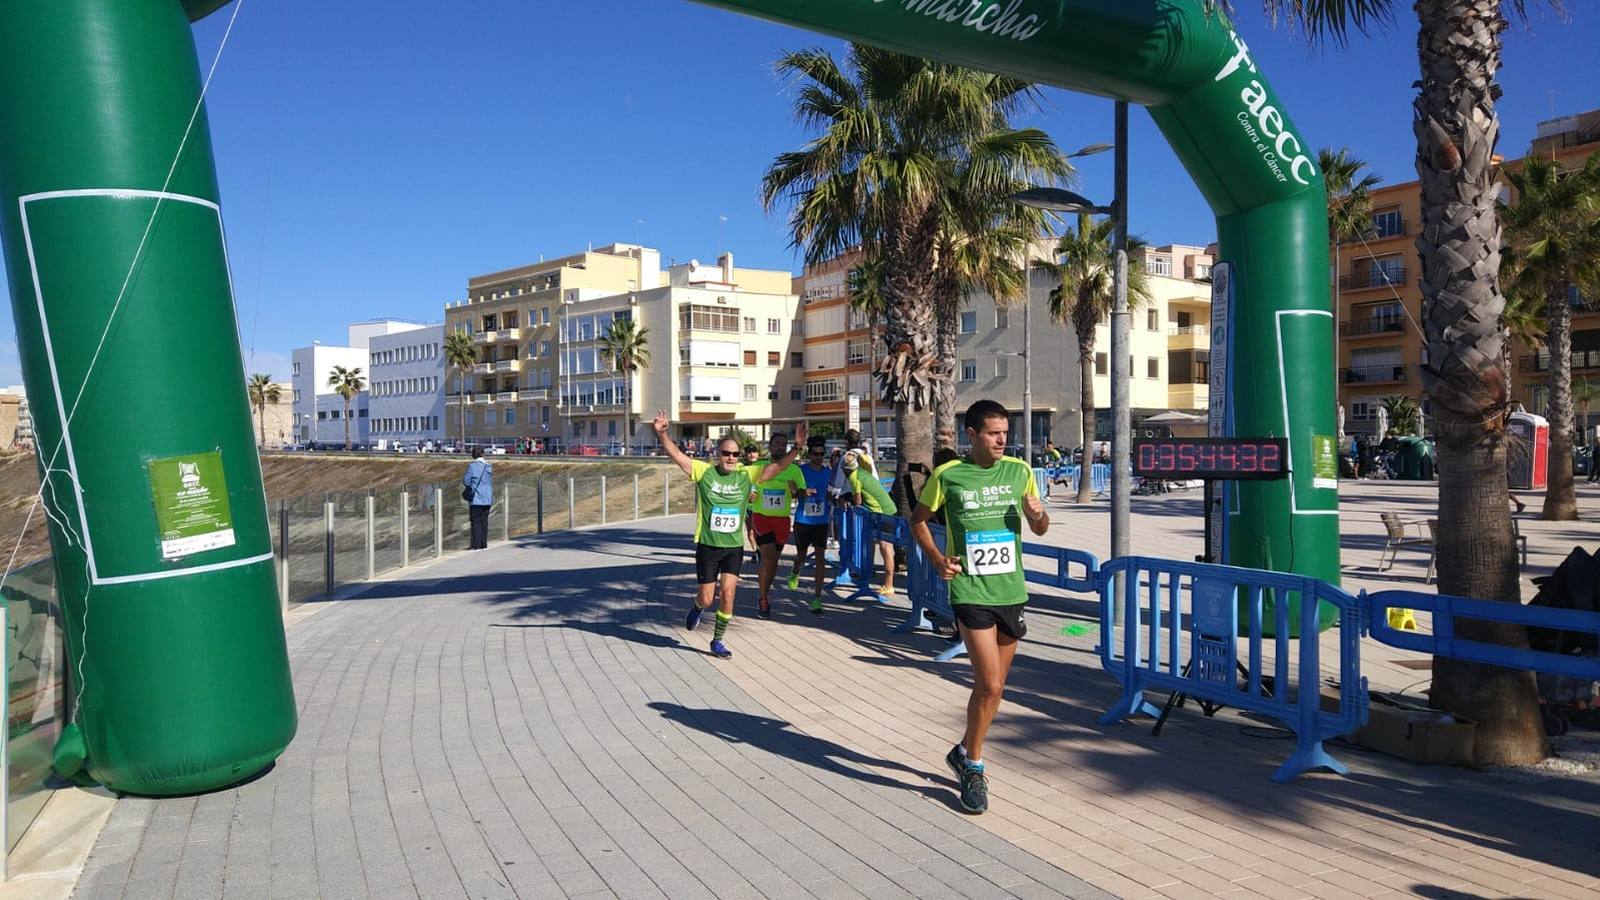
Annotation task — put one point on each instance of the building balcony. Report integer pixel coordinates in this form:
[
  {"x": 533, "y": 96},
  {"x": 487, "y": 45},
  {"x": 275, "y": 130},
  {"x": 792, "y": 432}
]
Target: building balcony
[
  {"x": 1188, "y": 396},
  {"x": 483, "y": 368},
  {"x": 456, "y": 397},
  {"x": 1391, "y": 276},
  {"x": 506, "y": 397},
  {"x": 1188, "y": 337},
  {"x": 1540, "y": 362},
  {"x": 536, "y": 394},
  {"x": 507, "y": 365},
  {"x": 1372, "y": 374},
  {"x": 1382, "y": 230},
  {"x": 1371, "y": 326},
  {"x": 508, "y": 334},
  {"x": 483, "y": 337}
]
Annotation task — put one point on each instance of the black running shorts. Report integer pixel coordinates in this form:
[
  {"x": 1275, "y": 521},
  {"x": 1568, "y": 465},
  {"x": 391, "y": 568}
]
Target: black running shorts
[
  {"x": 709, "y": 562},
  {"x": 807, "y": 536},
  {"x": 1007, "y": 618}
]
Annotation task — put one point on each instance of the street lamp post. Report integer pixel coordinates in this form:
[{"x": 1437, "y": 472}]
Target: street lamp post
[
  {"x": 1058, "y": 200},
  {"x": 1027, "y": 368}
]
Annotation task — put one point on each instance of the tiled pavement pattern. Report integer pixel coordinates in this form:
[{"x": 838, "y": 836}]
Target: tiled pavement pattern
[
  {"x": 853, "y": 787},
  {"x": 523, "y": 722}
]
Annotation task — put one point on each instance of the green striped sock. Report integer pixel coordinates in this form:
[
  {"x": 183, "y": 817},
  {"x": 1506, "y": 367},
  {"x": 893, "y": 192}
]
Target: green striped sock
[{"x": 722, "y": 625}]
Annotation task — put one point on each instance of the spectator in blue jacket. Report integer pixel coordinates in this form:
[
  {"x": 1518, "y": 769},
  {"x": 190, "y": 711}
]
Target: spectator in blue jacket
[{"x": 478, "y": 480}]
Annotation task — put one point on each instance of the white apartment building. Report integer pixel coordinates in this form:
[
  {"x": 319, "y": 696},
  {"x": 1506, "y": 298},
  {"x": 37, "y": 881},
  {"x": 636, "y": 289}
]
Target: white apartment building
[
  {"x": 725, "y": 351},
  {"x": 407, "y": 381},
  {"x": 319, "y": 413}
]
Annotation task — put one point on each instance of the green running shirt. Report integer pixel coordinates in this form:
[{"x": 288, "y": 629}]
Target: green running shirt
[
  {"x": 983, "y": 525},
  {"x": 775, "y": 498},
  {"x": 719, "y": 504}
]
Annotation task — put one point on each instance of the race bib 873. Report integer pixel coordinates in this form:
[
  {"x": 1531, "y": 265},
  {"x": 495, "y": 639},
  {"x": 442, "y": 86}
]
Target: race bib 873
[{"x": 725, "y": 519}]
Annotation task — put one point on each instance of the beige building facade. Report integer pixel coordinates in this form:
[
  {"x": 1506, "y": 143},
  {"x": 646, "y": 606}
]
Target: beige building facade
[
  {"x": 279, "y": 419},
  {"x": 724, "y": 350}
]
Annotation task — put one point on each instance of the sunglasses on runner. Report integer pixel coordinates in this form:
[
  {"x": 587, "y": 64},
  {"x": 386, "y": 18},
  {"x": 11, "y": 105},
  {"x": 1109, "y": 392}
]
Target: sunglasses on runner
[{"x": 729, "y": 452}]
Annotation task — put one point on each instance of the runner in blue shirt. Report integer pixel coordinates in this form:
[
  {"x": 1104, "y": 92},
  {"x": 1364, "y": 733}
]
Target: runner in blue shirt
[{"x": 811, "y": 518}]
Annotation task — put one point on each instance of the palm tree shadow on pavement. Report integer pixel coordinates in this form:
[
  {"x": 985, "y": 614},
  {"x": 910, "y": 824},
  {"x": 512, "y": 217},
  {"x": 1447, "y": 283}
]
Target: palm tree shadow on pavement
[{"x": 780, "y": 738}]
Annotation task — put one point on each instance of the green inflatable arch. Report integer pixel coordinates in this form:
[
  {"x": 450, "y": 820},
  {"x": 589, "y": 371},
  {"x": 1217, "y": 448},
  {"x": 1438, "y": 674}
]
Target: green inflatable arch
[{"x": 124, "y": 315}]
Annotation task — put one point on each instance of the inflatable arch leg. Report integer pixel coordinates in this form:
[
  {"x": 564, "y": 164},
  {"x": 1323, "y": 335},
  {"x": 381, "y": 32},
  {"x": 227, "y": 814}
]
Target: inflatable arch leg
[{"x": 130, "y": 351}]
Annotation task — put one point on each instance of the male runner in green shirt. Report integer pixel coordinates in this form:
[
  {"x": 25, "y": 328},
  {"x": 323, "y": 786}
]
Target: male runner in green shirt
[
  {"x": 771, "y": 500},
  {"x": 985, "y": 497},
  {"x": 721, "y": 493}
]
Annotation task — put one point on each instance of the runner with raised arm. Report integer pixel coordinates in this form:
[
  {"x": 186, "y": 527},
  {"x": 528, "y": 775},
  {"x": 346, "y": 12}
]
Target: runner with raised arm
[
  {"x": 721, "y": 492},
  {"x": 812, "y": 519},
  {"x": 985, "y": 499}
]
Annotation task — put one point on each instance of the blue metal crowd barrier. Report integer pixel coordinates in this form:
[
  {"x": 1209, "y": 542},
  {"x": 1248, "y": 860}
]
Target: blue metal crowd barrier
[
  {"x": 1202, "y": 630},
  {"x": 1444, "y": 642},
  {"x": 1152, "y": 654},
  {"x": 1099, "y": 478}
]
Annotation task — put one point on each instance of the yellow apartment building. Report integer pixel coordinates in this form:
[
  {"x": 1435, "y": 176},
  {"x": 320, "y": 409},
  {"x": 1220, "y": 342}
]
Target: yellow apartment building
[
  {"x": 1379, "y": 302},
  {"x": 515, "y": 317}
]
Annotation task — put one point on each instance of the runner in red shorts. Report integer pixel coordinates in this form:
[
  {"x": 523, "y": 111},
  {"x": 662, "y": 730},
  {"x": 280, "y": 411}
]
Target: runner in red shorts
[{"x": 770, "y": 504}]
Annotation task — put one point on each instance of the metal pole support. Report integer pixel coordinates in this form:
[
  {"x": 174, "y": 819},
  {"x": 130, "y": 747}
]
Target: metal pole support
[
  {"x": 283, "y": 555},
  {"x": 405, "y": 529},
  {"x": 327, "y": 544},
  {"x": 372, "y": 538},
  {"x": 438, "y": 522}
]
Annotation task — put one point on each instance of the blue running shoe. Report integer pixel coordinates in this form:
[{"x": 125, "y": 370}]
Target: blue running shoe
[
  {"x": 693, "y": 621},
  {"x": 720, "y": 650},
  {"x": 974, "y": 789}
]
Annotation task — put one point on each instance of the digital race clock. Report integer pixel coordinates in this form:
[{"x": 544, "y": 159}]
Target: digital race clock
[{"x": 1218, "y": 458}]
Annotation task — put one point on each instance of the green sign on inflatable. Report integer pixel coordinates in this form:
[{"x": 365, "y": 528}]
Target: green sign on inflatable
[{"x": 113, "y": 244}]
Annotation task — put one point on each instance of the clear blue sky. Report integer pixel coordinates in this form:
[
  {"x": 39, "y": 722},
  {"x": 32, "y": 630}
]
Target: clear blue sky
[{"x": 373, "y": 155}]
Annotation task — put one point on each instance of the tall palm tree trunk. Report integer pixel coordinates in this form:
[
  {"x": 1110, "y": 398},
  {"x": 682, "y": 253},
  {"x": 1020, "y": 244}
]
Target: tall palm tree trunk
[
  {"x": 1459, "y": 249},
  {"x": 944, "y": 386},
  {"x": 261, "y": 424},
  {"x": 1086, "y": 412},
  {"x": 910, "y": 333},
  {"x": 347, "y": 423},
  {"x": 1560, "y": 496},
  {"x": 461, "y": 417}
]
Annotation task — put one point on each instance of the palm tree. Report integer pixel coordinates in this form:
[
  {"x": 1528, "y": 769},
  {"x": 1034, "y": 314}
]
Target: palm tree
[
  {"x": 1553, "y": 245},
  {"x": 1464, "y": 371},
  {"x": 461, "y": 355},
  {"x": 895, "y": 131},
  {"x": 1083, "y": 297},
  {"x": 262, "y": 390},
  {"x": 626, "y": 349},
  {"x": 1349, "y": 209},
  {"x": 347, "y": 383},
  {"x": 1405, "y": 416},
  {"x": 984, "y": 242}
]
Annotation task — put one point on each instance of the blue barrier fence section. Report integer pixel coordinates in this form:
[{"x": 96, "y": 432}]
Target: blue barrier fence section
[
  {"x": 1444, "y": 642},
  {"x": 1181, "y": 632},
  {"x": 1099, "y": 478},
  {"x": 1220, "y": 633}
]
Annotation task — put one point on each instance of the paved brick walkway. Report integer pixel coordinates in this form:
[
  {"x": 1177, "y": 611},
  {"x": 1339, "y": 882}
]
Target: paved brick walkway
[
  {"x": 549, "y": 728},
  {"x": 525, "y": 722}
]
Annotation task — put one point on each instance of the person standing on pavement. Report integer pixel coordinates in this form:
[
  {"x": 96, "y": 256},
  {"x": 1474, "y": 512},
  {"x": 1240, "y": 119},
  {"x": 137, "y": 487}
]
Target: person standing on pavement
[
  {"x": 985, "y": 498},
  {"x": 772, "y": 500},
  {"x": 721, "y": 494},
  {"x": 477, "y": 488},
  {"x": 867, "y": 490},
  {"x": 812, "y": 518}
]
